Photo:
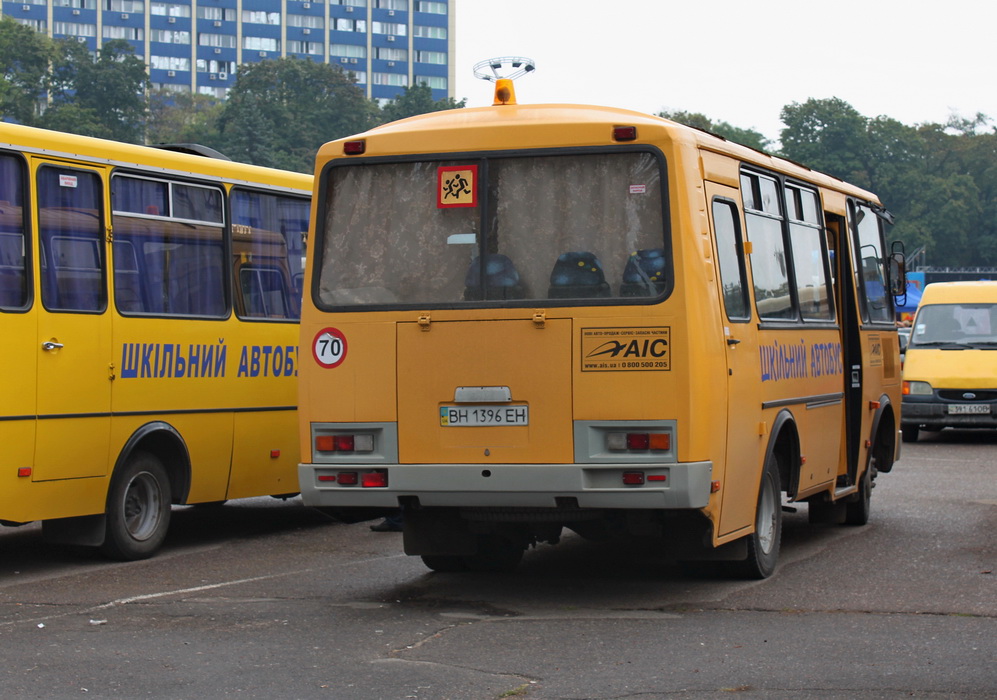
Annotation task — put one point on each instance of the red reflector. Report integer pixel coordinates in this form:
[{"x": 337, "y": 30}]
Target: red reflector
[
  {"x": 324, "y": 443},
  {"x": 342, "y": 443},
  {"x": 354, "y": 148},
  {"x": 348, "y": 478},
  {"x": 657, "y": 477},
  {"x": 633, "y": 478},
  {"x": 326, "y": 477},
  {"x": 375, "y": 480},
  {"x": 714, "y": 486},
  {"x": 274, "y": 454},
  {"x": 624, "y": 133},
  {"x": 24, "y": 471},
  {"x": 638, "y": 441}
]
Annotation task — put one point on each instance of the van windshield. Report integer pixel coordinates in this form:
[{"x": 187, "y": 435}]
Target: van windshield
[{"x": 959, "y": 325}]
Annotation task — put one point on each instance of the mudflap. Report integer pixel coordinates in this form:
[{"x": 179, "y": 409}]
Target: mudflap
[{"x": 85, "y": 530}]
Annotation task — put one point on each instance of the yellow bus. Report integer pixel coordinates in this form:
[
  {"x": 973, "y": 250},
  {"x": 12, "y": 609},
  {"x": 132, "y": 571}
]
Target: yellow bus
[
  {"x": 149, "y": 300},
  {"x": 521, "y": 319}
]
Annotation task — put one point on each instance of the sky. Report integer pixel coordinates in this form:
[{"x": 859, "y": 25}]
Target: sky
[{"x": 739, "y": 61}]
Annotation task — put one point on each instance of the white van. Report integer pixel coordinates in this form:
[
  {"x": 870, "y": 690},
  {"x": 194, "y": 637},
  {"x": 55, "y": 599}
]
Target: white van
[{"x": 950, "y": 368}]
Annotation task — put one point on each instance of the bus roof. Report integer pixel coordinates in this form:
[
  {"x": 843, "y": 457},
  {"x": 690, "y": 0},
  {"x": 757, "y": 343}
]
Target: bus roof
[
  {"x": 55, "y": 144},
  {"x": 546, "y": 125}
]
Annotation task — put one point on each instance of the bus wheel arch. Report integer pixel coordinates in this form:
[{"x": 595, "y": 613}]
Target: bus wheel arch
[{"x": 151, "y": 473}]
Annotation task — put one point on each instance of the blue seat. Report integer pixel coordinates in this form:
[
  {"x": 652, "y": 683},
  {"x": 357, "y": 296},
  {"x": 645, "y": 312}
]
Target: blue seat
[
  {"x": 644, "y": 274},
  {"x": 501, "y": 279},
  {"x": 577, "y": 275}
]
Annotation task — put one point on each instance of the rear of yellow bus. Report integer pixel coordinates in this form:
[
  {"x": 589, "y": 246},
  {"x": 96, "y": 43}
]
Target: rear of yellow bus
[{"x": 497, "y": 339}]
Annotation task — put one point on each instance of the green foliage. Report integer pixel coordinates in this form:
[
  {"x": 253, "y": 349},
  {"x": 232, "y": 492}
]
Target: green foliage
[
  {"x": 183, "y": 117},
  {"x": 280, "y": 112},
  {"x": 103, "y": 97},
  {"x": 745, "y": 137},
  {"x": 417, "y": 99},
  {"x": 24, "y": 62}
]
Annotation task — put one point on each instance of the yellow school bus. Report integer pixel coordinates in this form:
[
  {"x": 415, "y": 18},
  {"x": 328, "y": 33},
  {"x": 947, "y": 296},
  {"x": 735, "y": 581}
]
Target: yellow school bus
[
  {"x": 521, "y": 319},
  {"x": 149, "y": 300}
]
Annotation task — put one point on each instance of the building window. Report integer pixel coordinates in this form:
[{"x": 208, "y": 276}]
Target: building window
[
  {"x": 227, "y": 14},
  {"x": 395, "y": 28},
  {"x": 433, "y": 8},
  {"x": 224, "y": 41},
  {"x": 260, "y": 43},
  {"x": 391, "y": 4},
  {"x": 39, "y": 25},
  {"x": 434, "y": 81},
  {"x": 77, "y": 4},
  {"x": 207, "y": 66},
  {"x": 386, "y": 54},
  {"x": 351, "y": 25},
  {"x": 437, "y": 57},
  {"x": 396, "y": 79},
  {"x": 309, "y": 21},
  {"x": 169, "y": 36},
  {"x": 348, "y": 50},
  {"x": 424, "y": 32},
  {"x": 125, "y": 5},
  {"x": 130, "y": 33},
  {"x": 311, "y": 48},
  {"x": 75, "y": 29},
  {"x": 169, "y": 9},
  {"x": 349, "y": 3},
  {"x": 260, "y": 17},
  {"x": 169, "y": 62}
]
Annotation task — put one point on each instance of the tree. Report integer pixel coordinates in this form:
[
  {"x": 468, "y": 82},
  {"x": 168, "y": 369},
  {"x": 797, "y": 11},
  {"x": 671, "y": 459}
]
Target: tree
[
  {"x": 417, "y": 99},
  {"x": 745, "y": 137},
  {"x": 183, "y": 117},
  {"x": 102, "y": 97},
  {"x": 24, "y": 62},
  {"x": 298, "y": 104},
  {"x": 828, "y": 135}
]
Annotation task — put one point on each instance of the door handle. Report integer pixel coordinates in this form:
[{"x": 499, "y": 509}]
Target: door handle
[
  {"x": 733, "y": 341},
  {"x": 51, "y": 345}
]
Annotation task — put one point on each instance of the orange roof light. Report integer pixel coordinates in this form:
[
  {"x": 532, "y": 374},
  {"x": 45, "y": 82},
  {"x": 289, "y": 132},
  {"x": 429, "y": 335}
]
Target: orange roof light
[{"x": 502, "y": 71}]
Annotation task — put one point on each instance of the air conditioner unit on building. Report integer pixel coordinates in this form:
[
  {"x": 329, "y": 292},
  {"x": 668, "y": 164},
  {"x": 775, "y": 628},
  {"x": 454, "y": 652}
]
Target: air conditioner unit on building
[
  {"x": 391, "y": 64},
  {"x": 306, "y": 5},
  {"x": 344, "y": 60},
  {"x": 217, "y": 50},
  {"x": 348, "y": 8},
  {"x": 124, "y": 15},
  {"x": 25, "y": 7},
  {"x": 391, "y": 37},
  {"x": 218, "y": 23},
  {"x": 212, "y": 76},
  {"x": 171, "y": 20},
  {"x": 171, "y": 73},
  {"x": 263, "y": 54},
  {"x": 306, "y": 30},
  {"x": 353, "y": 60},
  {"x": 223, "y": 76},
  {"x": 391, "y": 13},
  {"x": 76, "y": 12}
]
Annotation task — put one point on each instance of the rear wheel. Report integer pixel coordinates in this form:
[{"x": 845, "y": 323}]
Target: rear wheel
[
  {"x": 763, "y": 543},
  {"x": 857, "y": 511},
  {"x": 138, "y": 509},
  {"x": 444, "y": 563}
]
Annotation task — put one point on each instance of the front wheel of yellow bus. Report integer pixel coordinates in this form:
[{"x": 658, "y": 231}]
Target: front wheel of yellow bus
[{"x": 138, "y": 509}]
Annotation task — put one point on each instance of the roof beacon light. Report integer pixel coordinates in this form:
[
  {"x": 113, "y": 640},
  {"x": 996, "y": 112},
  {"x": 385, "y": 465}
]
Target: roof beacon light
[{"x": 502, "y": 71}]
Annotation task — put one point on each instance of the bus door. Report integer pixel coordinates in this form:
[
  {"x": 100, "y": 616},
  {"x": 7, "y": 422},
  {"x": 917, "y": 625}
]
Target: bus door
[
  {"x": 17, "y": 351},
  {"x": 74, "y": 328},
  {"x": 743, "y": 414}
]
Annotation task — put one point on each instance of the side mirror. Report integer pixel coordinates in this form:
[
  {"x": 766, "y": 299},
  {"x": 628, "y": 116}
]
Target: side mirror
[{"x": 898, "y": 271}]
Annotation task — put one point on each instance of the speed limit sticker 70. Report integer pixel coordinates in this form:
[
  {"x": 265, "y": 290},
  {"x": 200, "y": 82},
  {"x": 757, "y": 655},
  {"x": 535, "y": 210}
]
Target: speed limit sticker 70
[{"x": 329, "y": 347}]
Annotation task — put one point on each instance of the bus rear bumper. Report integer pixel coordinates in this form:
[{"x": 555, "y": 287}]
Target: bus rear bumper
[{"x": 639, "y": 486}]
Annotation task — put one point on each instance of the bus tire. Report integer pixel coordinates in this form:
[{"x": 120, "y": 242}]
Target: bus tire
[
  {"x": 857, "y": 511},
  {"x": 138, "y": 509},
  {"x": 444, "y": 563},
  {"x": 909, "y": 433},
  {"x": 764, "y": 542}
]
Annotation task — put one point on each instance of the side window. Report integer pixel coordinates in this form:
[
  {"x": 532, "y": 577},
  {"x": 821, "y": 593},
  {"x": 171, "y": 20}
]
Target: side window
[
  {"x": 809, "y": 247},
  {"x": 769, "y": 263},
  {"x": 730, "y": 255},
  {"x": 13, "y": 241},
  {"x": 168, "y": 248},
  {"x": 72, "y": 241},
  {"x": 268, "y": 249},
  {"x": 868, "y": 259}
]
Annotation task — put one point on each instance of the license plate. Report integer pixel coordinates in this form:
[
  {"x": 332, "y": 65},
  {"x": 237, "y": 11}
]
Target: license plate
[
  {"x": 969, "y": 408},
  {"x": 465, "y": 416}
]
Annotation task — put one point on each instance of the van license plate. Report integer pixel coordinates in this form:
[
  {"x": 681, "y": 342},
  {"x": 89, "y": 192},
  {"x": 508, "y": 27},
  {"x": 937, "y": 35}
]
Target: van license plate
[
  {"x": 467, "y": 416},
  {"x": 964, "y": 408}
]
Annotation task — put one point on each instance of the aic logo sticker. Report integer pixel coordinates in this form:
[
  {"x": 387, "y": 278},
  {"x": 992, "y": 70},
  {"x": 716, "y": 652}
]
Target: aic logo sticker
[
  {"x": 329, "y": 347},
  {"x": 626, "y": 349}
]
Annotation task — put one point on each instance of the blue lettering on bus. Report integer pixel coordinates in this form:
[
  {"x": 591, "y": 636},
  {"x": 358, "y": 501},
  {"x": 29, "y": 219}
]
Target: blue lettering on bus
[
  {"x": 780, "y": 361},
  {"x": 173, "y": 360},
  {"x": 267, "y": 361}
]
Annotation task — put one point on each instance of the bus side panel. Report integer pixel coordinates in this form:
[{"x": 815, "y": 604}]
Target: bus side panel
[
  {"x": 264, "y": 455},
  {"x": 18, "y": 363}
]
